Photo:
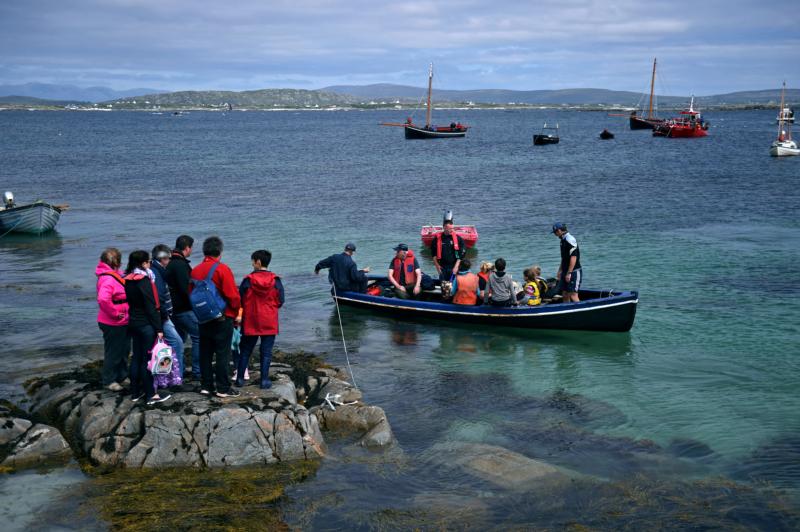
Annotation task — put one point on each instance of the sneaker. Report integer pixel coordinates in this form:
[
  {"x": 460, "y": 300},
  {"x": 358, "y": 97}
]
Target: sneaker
[
  {"x": 235, "y": 372},
  {"x": 247, "y": 374},
  {"x": 266, "y": 385},
  {"x": 114, "y": 387},
  {"x": 233, "y": 392},
  {"x": 205, "y": 392},
  {"x": 134, "y": 399},
  {"x": 156, "y": 399}
]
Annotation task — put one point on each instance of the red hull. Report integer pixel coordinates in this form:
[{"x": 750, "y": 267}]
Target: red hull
[
  {"x": 467, "y": 232},
  {"x": 680, "y": 131}
]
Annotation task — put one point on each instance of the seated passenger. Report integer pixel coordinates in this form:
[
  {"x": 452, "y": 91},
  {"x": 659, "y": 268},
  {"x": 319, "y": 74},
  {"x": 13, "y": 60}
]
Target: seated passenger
[
  {"x": 501, "y": 286},
  {"x": 465, "y": 285},
  {"x": 483, "y": 279},
  {"x": 535, "y": 286},
  {"x": 404, "y": 273}
]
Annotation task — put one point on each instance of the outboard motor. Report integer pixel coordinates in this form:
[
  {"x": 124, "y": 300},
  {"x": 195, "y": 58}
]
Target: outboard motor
[
  {"x": 8, "y": 199},
  {"x": 448, "y": 216}
]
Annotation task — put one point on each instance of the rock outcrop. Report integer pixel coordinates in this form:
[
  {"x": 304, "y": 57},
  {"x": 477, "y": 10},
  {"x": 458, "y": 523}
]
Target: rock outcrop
[{"x": 24, "y": 443}]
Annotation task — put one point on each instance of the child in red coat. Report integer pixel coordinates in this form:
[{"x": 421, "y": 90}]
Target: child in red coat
[{"x": 262, "y": 295}]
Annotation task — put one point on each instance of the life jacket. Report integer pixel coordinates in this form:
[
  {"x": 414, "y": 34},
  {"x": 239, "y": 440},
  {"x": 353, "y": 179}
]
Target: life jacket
[
  {"x": 484, "y": 276},
  {"x": 139, "y": 277},
  {"x": 534, "y": 293},
  {"x": 408, "y": 268},
  {"x": 439, "y": 244},
  {"x": 121, "y": 281},
  {"x": 260, "y": 305},
  {"x": 466, "y": 289}
]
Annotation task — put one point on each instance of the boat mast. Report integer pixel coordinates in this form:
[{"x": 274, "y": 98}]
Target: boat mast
[
  {"x": 780, "y": 114},
  {"x": 430, "y": 86},
  {"x": 652, "y": 86}
]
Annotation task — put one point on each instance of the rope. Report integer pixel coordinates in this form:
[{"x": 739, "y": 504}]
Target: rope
[
  {"x": 14, "y": 227},
  {"x": 344, "y": 344}
]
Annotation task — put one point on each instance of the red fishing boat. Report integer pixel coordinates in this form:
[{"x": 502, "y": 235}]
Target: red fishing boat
[
  {"x": 467, "y": 232},
  {"x": 688, "y": 125}
]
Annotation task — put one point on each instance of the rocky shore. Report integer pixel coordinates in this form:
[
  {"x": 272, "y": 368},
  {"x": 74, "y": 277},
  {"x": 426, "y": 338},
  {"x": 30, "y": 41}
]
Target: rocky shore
[{"x": 73, "y": 415}]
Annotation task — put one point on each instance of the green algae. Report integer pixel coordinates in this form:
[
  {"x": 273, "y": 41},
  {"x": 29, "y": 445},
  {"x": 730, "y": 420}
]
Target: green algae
[{"x": 188, "y": 499}]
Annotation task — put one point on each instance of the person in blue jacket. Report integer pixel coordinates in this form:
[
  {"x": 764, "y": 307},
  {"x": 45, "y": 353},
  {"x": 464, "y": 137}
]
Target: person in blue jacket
[{"x": 343, "y": 273}]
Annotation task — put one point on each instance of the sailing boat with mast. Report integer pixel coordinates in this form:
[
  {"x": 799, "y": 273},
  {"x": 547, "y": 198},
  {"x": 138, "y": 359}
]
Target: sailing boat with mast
[
  {"x": 783, "y": 145},
  {"x": 650, "y": 121},
  {"x": 429, "y": 130}
]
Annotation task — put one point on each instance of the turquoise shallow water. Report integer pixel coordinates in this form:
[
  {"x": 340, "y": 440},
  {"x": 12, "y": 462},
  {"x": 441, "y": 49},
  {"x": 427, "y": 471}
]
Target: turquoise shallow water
[{"x": 705, "y": 229}]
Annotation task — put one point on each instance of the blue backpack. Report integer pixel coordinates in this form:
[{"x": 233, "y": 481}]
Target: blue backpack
[{"x": 206, "y": 301}]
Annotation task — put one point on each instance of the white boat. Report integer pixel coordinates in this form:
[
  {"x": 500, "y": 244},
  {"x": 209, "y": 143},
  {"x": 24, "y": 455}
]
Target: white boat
[
  {"x": 787, "y": 114},
  {"x": 784, "y": 146},
  {"x": 35, "y": 218}
]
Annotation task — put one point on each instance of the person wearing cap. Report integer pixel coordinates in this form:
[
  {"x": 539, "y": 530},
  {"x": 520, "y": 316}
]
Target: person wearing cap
[
  {"x": 447, "y": 249},
  {"x": 404, "y": 273},
  {"x": 343, "y": 273},
  {"x": 569, "y": 274},
  {"x": 161, "y": 256}
]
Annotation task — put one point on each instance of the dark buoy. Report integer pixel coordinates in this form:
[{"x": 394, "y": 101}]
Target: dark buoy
[{"x": 606, "y": 135}]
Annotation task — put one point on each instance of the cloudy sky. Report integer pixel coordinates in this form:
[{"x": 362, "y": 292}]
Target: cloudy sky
[{"x": 703, "y": 47}]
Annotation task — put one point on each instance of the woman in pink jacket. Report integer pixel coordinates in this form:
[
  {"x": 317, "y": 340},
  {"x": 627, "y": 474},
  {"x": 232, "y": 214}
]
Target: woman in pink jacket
[{"x": 112, "y": 317}]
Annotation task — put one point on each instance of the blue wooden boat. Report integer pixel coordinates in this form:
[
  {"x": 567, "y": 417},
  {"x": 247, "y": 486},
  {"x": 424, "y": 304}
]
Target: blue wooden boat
[
  {"x": 598, "y": 310},
  {"x": 35, "y": 218}
]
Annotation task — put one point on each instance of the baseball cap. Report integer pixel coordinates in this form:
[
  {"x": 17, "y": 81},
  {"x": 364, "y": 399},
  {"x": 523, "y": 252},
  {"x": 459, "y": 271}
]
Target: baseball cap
[
  {"x": 349, "y": 247},
  {"x": 401, "y": 247},
  {"x": 558, "y": 226}
]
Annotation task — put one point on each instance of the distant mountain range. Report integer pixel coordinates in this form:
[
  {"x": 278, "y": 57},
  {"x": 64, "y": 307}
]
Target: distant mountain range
[
  {"x": 70, "y": 93},
  {"x": 370, "y": 96}
]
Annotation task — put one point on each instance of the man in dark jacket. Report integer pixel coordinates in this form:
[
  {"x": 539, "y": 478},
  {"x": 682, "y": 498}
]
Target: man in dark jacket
[
  {"x": 215, "y": 335},
  {"x": 161, "y": 259},
  {"x": 177, "y": 275},
  {"x": 344, "y": 275},
  {"x": 447, "y": 249}
]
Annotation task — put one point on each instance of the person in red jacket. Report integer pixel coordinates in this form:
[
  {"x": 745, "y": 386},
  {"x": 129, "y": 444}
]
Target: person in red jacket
[
  {"x": 215, "y": 336},
  {"x": 262, "y": 295}
]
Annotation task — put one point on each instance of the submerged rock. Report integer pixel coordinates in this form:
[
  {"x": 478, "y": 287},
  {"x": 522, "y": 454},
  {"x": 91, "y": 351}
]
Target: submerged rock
[{"x": 25, "y": 444}]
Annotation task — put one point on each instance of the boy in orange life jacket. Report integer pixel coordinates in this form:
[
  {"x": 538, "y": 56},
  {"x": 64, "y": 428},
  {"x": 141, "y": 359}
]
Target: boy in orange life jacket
[
  {"x": 404, "y": 273},
  {"x": 465, "y": 285},
  {"x": 262, "y": 295}
]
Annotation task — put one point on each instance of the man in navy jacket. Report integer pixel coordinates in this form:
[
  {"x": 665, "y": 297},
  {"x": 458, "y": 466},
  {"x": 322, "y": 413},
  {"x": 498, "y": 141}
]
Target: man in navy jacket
[{"x": 344, "y": 275}]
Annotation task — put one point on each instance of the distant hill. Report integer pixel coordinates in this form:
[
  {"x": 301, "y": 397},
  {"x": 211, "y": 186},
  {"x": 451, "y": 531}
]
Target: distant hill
[
  {"x": 388, "y": 92},
  {"x": 265, "y": 98},
  {"x": 37, "y": 102},
  {"x": 71, "y": 93}
]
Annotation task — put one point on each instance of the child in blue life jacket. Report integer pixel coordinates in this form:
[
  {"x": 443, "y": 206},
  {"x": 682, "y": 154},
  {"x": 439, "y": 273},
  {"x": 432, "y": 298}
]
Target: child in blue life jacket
[{"x": 262, "y": 295}]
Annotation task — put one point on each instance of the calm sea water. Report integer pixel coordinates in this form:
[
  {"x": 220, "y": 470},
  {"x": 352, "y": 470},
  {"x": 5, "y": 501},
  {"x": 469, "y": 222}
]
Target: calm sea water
[{"x": 705, "y": 229}]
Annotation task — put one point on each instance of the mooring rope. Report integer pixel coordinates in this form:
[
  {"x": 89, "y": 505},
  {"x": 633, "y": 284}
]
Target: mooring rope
[
  {"x": 344, "y": 343},
  {"x": 14, "y": 227}
]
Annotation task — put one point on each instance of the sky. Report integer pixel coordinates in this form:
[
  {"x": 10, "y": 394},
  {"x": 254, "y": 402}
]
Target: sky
[{"x": 703, "y": 47}]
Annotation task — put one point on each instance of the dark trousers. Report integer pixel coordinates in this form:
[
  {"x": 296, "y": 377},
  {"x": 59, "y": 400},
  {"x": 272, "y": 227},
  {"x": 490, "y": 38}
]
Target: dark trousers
[
  {"x": 143, "y": 336},
  {"x": 215, "y": 338},
  {"x": 447, "y": 272},
  {"x": 116, "y": 348},
  {"x": 245, "y": 348}
]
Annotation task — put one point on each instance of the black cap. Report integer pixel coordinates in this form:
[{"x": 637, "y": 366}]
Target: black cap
[
  {"x": 401, "y": 247},
  {"x": 349, "y": 247}
]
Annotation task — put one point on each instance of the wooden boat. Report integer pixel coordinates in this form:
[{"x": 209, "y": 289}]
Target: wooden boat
[
  {"x": 649, "y": 121},
  {"x": 467, "y": 232},
  {"x": 784, "y": 146},
  {"x": 430, "y": 131},
  {"x": 688, "y": 125},
  {"x": 546, "y": 138},
  {"x": 606, "y": 135},
  {"x": 598, "y": 310},
  {"x": 36, "y": 218}
]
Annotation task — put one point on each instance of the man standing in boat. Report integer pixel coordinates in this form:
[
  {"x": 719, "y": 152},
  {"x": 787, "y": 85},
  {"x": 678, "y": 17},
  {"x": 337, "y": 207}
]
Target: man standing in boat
[
  {"x": 569, "y": 271},
  {"x": 344, "y": 275},
  {"x": 404, "y": 273},
  {"x": 448, "y": 250}
]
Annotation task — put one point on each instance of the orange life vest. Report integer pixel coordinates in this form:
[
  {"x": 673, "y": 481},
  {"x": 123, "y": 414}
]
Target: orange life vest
[
  {"x": 466, "y": 289},
  {"x": 408, "y": 267},
  {"x": 439, "y": 244}
]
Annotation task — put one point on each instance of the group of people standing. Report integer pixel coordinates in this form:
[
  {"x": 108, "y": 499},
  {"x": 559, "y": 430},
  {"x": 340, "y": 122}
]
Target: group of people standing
[
  {"x": 151, "y": 300},
  {"x": 492, "y": 285}
]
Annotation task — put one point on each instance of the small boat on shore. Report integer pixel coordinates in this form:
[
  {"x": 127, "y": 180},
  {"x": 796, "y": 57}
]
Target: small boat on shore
[
  {"x": 35, "y": 218},
  {"x": 784, "y": 146},
  {"x": 546, "y": 138},
  {"x": 688, "y": 125},
  {"x": 598, "y": 310}
]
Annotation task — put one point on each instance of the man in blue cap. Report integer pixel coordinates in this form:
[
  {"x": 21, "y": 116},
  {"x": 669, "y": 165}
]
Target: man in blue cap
[
  {"x": 344, "y": 275},
  {"x": 569, "y": 271}
]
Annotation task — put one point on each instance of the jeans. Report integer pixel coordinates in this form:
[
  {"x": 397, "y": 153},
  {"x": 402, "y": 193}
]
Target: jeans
[
  {"x": 144, "y": 337},
  {"x": 215, "y": 338},
  {"x": 116, "y": 348},
  {"x": 246, "y": 347},
  {"x": 186, "y": 323},
  {"x": 174, "y": 340},
  {"x": 447, "y": 272}
]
